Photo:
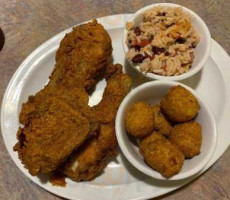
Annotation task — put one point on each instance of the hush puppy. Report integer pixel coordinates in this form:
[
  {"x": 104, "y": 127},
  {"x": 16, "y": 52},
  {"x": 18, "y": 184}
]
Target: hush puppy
[
  {"x": 188, "y": 137},
  {"x": 139, "y": 119},
  {"x": 160, "y": 154},
  {"x": 179, "y": 105},
  {"x": 161, "y": 123}
]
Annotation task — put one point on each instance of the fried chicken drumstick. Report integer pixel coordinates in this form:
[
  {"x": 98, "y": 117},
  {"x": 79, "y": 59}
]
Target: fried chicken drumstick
[{"x": 82, "y": 55}]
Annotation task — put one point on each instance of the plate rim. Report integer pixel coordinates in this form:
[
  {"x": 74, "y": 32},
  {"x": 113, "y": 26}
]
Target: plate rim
[{"x": 47, "y": 43}]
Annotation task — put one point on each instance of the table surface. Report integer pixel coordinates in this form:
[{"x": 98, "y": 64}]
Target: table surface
[{"x": 29, "y": 23}]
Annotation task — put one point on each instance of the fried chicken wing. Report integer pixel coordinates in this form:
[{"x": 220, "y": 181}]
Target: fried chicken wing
[
  {"x": 118, "y": 85},
  {"x": 86, "y": 163},
  {"x": 93, "y": 156}
]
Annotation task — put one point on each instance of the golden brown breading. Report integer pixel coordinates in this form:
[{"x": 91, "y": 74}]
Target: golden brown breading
[
  {"x": 93, "y": 157},
  {"x": 187, "y": 137},
  {"x": 50, "y": 136},
  {"x": 113, "y": 70},
  {"x": 118, "y": 86},
  {"x": 139, "y": 119},
  {"x": 107, "y": 138},
  {"x": 82, "y": 164},
  {"x": 160, "y": 154},
  {"x": 180, "y": 105},
  {"x": 77, "y": 98},
  {"x": 161, "y": 123},
  {"x": 83, "y": 54}
]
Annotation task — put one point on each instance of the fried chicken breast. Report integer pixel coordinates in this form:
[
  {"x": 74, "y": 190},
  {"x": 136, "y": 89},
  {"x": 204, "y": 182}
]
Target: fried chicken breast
[{"x": 50, "y": 135}]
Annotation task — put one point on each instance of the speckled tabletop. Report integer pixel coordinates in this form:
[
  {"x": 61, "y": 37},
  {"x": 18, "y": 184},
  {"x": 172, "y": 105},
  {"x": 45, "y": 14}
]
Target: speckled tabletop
[{"x": 28, "y": 23}]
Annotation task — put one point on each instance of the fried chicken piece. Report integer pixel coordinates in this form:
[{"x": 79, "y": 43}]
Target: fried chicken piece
[
  {"x": 86, "y": 163},
  {"x": 58, "y": 119},
  {"x": 93, "y": 156},
  {"x": 112, "y": 70},
  {"x": 118, "y": 86},
  {"x": 50, "y": 136},
  {"x": 83, "y": 54},
  {"x": 77, "y": 98}
]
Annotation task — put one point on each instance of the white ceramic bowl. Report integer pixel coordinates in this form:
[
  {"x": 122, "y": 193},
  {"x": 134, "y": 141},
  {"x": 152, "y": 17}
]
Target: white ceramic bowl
[
  {"x": 202, "y": 50},
  {"x": 152, "y": 92}
]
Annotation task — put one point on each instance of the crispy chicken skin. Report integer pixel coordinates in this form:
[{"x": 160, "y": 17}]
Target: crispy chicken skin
[
  {"x": 118, "y": 85},
  {"x": 50, "y": 136},
  {"x": 93, "y": 155},
  {"x": 77, "y": 98},
  {"x": 86, "y": 163},
  {"x": 83, "y": 54},
  {"x": 57, "y": 120}
]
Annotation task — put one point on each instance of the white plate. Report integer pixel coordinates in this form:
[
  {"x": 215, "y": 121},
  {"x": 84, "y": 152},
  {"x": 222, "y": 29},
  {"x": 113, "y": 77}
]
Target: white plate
[{"x": 120, "y": 180}]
